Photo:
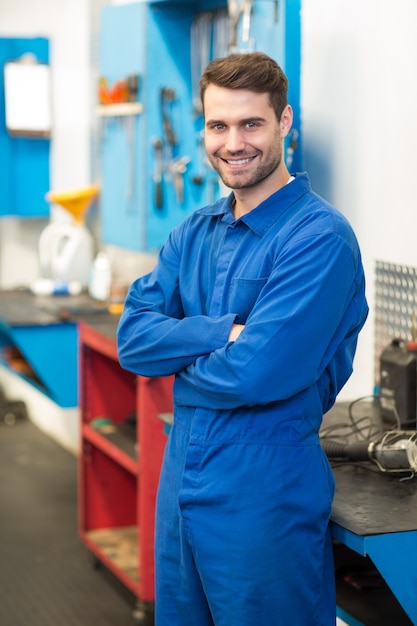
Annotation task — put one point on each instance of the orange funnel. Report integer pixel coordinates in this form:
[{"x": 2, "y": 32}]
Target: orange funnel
[{"x": 76, "y": 202}]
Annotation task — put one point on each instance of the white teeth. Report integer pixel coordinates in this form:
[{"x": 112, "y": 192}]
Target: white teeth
[{"x": 239, "y": 162}]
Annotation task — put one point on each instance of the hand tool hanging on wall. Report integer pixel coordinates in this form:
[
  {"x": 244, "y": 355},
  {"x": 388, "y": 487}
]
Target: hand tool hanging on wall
[
  {"x": 208, "y": 40},
  {"x": 200, "y": 53},
  {"x": 130, "y": 125},
  {"x": 234, "y": 16},
  {"x": 177, "y": 168},
  {"x": 163, "y": 147},
  {"x": 276, "y": 11},
  {"x": 220, "y": 34},
  {"x": 292, "y": 146},
  {"x": 167, "y": 98},
  {"x": 158, "y": 171},
  {"x": 122, "y": 92},
  {"x": 238, "y": 10},
  {"x": 199, "y": 176},
  {"x": 167, "y": 160},
  {"x": 132, "y": 87},
  {"x": 246, "y": 12}
]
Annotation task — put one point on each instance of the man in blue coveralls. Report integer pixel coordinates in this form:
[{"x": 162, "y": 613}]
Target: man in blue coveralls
[{"x": 255, "y": 304}]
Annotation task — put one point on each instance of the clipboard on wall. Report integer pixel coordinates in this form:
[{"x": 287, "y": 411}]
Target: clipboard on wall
[{"x": 27, "y": 90}]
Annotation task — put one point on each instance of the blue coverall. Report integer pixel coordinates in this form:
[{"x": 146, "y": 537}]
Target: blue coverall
[{"x": 245, "y": 490}]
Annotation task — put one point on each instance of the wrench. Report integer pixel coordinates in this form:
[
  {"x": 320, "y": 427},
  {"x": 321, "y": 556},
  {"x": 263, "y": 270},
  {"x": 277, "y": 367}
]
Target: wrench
[
  {"x": 178, "y": 167},
  {"x": 158, "y": 169}
]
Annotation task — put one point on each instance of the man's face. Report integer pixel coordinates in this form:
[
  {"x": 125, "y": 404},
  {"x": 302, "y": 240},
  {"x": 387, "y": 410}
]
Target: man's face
[{"x": 243, "y": 137}]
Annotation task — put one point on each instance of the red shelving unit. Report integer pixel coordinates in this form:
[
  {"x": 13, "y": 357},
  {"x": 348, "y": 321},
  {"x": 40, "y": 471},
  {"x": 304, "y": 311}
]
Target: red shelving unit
[{"x": 122, "y": 444}]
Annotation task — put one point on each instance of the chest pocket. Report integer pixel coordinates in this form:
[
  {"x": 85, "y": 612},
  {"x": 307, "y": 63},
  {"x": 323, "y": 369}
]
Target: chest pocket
[{"x": 243, "y": 294}]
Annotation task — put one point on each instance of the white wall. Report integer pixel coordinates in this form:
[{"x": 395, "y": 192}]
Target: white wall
[
  {"x": 359, "y": 119},
  {"x": 67, "y": 25}
]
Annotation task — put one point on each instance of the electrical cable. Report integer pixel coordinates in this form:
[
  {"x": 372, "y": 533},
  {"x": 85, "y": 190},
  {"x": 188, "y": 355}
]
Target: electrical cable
[
  {"x": 394, "y": 451},
  {"x": 361, "y": 426}
]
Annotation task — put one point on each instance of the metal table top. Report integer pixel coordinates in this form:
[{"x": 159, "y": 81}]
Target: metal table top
[{"x": 368, "y": 501}]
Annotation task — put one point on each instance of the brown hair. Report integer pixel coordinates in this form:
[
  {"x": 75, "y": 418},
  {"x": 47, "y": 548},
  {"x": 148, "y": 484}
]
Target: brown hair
[{"x": 254, "y": 71}]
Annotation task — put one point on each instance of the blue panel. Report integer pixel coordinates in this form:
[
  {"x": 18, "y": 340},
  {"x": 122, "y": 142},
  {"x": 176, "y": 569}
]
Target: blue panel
[
  {"x": 24, "y": 172},
  {"x": 292, "y": 66},
  {"x": 394, "y": 555},
  {"x": 52, "y": 351},
  {"x": 121, "y": 144},
  {"x": 122, "y": 40},
  {"x": 174, "y": 71},
  {"x": 122, "y": 213},
  {"x": 30, "y": 176},
  {"x": 268, "y": 29},
  {"x": 267, "y": 34},
  {"x": 153, "y": 39},
  {"x": 276, "y": 30}
]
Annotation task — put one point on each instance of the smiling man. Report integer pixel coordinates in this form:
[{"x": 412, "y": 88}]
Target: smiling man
[
  {"x": 255, "y": 306},
  {"x": 244, "y": 148}
]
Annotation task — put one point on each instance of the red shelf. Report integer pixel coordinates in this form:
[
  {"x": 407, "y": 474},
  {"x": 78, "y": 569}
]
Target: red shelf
[
  {"x": 122, "y": 444},
  {"x": 112, "y": 450}
]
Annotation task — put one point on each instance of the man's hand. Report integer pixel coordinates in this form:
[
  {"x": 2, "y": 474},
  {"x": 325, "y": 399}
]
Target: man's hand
[{"x": 235, "y": 331}]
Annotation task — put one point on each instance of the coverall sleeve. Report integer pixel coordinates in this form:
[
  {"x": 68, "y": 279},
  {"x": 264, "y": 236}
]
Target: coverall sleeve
[
  {"x": 305, "y": 320},
  {"x": 153, "y": 337}
]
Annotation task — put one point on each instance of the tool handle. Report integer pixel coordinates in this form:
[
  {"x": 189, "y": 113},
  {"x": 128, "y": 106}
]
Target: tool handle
[
  {"x": 353, "y": 451},
  {"x": 158, "y": 195}
]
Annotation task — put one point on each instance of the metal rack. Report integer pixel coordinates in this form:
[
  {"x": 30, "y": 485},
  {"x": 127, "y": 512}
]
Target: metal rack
[{"x": 122, "y": 444}]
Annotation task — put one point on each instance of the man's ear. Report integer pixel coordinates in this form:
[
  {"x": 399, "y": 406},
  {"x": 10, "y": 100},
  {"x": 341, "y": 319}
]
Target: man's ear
[{"x": 286, "y": 120}]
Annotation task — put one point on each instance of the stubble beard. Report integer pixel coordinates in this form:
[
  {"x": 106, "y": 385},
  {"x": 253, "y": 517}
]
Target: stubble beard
[{"x": 244, "y": 180}]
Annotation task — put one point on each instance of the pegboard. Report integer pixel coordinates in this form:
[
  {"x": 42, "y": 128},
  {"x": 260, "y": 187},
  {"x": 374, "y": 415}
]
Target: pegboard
[{"x": 395, "y": 305}]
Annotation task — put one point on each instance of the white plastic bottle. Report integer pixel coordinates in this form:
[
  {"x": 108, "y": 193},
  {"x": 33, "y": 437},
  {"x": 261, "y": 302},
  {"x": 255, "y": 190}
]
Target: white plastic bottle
[{"x": 100, "y": 279}]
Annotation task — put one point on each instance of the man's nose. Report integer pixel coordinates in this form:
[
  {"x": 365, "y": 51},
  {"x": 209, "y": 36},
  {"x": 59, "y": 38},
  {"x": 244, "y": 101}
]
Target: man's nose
[{"x": 234, "y": 141}]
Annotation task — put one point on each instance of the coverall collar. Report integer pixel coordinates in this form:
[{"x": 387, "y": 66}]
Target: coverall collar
[{"x": 262, "y": 217}]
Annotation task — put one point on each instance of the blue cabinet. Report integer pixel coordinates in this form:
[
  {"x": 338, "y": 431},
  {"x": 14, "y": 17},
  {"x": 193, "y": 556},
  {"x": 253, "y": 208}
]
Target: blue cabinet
[
  {"x": 51, "y": 351},
  {"x": 24, "y": 172},
  {"x": 143, "y": 193}
]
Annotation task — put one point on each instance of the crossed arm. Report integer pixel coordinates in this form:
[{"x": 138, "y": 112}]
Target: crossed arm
[{"x": 310, "y": 309}]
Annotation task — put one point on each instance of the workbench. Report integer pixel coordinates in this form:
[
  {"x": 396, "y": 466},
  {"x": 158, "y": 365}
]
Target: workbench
[
  {"x": 375, "y": 515},
  {"x": 44, "y": 330}
]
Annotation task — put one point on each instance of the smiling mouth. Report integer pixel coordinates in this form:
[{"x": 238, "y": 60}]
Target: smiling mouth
[{"x": 238, "y": 161}]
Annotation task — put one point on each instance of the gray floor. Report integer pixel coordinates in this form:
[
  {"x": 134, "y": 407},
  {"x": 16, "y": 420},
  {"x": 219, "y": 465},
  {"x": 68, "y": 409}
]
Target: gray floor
[{"x": 47, "y": 576}]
